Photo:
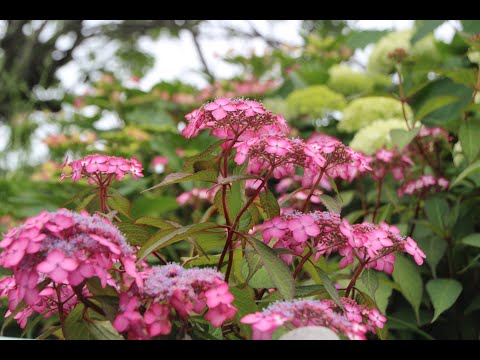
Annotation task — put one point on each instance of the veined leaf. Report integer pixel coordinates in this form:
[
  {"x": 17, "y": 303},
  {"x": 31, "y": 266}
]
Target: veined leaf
[
  {"x": 269, "y": 204},
  {"x": 332, "y": 204},
  {"x": 136, "y": 234},
  {"x": 443, "y": 293},
  {"x": 407, "y": 276},
  {"x": 209, "y": 151},
  {"x": 209, "y": 175},
  {"x": 155, "y": 222},
  {"x": 470, "y": 170},
  {"x": 330, "y": 287},
  {"x": 469, "y": 135},
  {"x": 434, "y": 104}
]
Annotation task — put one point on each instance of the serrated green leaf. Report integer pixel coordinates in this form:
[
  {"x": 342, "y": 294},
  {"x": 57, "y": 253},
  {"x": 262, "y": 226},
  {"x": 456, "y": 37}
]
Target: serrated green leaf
[
  {"x": 136, "y": 234},
  {"x": 170, "y": 236},
  {"x": 209, "y": 175},
  {"x": 84, "y": 203},
  {"x": 269, "y": 204},
  {"x": 407, "y": 276},
  {"x": 120, "y": 203},
  {"x": 470, "y": 170},
  {"x": 245, "y": 305},
  {"x": 155, "y": 222},
  {"x": 434, "y": 104},
  {"x": 209, "y": 151},
  {"x": 469, "y": 135},
  {"x": 401, "y": 138},
  {"x": 443, "y": 294},
  {"x": 77, "y": 328},
  {"x": 233, "y": 178},
  {"x": 332, "y": 204},
  {"x": 330, "y": 287},
  {"x": 370, "y": 280},
  {"x": 279, "y": 272}
]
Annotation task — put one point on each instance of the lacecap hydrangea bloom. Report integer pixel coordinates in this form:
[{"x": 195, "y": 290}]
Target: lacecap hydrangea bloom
[
  {"x": 102, "y": 169},
  {"x": 314, "y": 101},
  {"x": 64, "y": 249},
  {"x": 354, "y": 323},
  {"x": 376, "y": 136},
  {"x": 149, "y": 311},
  {"x": 348, "y": 81},
  {"x": 423, "y": 50},
  {"x": 364, "y": 111}
]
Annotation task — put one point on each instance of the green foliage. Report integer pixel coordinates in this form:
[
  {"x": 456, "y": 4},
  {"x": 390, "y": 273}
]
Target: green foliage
[{"x": 314, "y": 101}]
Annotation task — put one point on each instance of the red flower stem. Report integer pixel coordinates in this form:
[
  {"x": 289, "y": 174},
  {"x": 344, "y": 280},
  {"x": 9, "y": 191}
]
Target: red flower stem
[
  {"x": 78, "y": 291},
  {"x": 302, "y": 262},
  {"x": 357, "y": 273},
  {"x": 377, "y": 202},
  {"x": 312, "y": 190},
  {"x": 61, "y": 312}
]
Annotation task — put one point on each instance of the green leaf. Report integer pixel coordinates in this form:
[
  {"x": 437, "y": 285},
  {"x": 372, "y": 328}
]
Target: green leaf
[
  {"x": 232, "y": 178},
  {"x": 396, "y": 323},
  {"x": 120, "y": 203},
  {"x": 330, "y": 287},
  {"x": 334, "y": 186},
  {"x": 209, "y": 175},
  {"x": 402, "y": 138},
  {"x": 78, "y": 328},
  {"x": 189, "y": 164},
  {"x": 385, "y": 213},
  {"x": 462, "y": 76},
  {"x": 469, "y": 135},
  {"x": 370, "y": 280},
  {"x": 332, "y": 204},
  {"x": 279, "y": 272},
  {"x": 155, "y": 222},
  {"x": 170, "y": 236},
  {"x": 245, "y": 305},
  {"x": 84, "y": 203},
  {"x": 360, "y": 39},
  {"x": 79, "y": 195},
  {"x": 136, "y": 235},
  {"x": 435, "y": 209},
  {"x": 434, "y": 248},
  {"x": 443, "y": 293},
  {"x": 470, "y": 170},
  {"x": 433, "y": 104},
  {"x": 472, "y": 240},
  {"x": 269, "y": 203},
  {"x": 474, "y": 305},
  {"x": 426, "y": 28},
  {"x": 407, "y": 276}
]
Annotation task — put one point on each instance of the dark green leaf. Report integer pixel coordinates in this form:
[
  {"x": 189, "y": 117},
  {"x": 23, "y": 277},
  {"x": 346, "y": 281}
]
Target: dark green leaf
[
  {"x": 170, "y": 236},
  {"x": 469, "y": 135},
  {"x": 433, "y": 104},
  {"x": 208, "y": 152},
  {"x": 436, "y": 208},
  {"x": 360, "y": 39},
  {"x": 443, "y": 294},
  {"x": 464, "y": 76},
  {"x": 209, "y": 175},
  {"x": 269, "y": 204},
  {"x": 330, "y": 287},
  {"x": 155, "y": 222},
  {"x": 278, "y": 270},
  {"x": 120, "y": 203},
  {"x": 472, "y": 240},
  {"x": 406, "y": 275},
  {"x": 136, "y": 234},
  {"x": 434, "y": 248},
  {"x": 470, "y": 170},
  {"x": 370, "y": 280}
]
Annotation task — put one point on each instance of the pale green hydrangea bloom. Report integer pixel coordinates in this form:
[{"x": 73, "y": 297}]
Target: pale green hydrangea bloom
[
  {"x": 278, "y": 106},
  {"x": 423, "y": 50},
  {"x": 458, "y": 156},
  {"x": 363, "y": 111},
  {"x": 314, "y": 101},
  {"x": 376, "y": 135},
  {"x": 347, "y": 81},
  {"x": 474, "y": 56}
]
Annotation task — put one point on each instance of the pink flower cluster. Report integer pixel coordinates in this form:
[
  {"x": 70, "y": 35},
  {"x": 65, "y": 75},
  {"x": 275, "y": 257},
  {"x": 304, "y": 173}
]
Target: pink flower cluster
[
  {"x": 229, "y": 119},
  {"x": 422, "y": 185},
  {"x": 168, "y": 288},
  {"x": 102, "y": 169},
  {"x": 354, "y": 324},
  {"x": 374, "y": 245},
  {"x": 371, "y": 244},
  {"x": 196, "y": 196},
  {"x": 385, "y": 162},
  {"x": 294, "y": 228},
  {"x": 434, "y": 132},
  {"x": 65, "y": 248}
]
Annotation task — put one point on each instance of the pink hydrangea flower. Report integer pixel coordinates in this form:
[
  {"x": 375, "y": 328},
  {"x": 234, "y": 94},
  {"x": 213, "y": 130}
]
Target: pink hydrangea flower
[
  {"x": 412, "y": 248},
  {"x": 303, "y": 228},
  {"x": 220, "y": 107}
]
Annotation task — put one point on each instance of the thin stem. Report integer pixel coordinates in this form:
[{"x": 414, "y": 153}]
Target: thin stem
[
  {"x": 302, "y": 262},
  {"x": 312, "y": 190},
  {"x": 61, "y": 312},
  {"x": 402, "y": 98},
  {"x": 357, "y": 273},
  {"x": 377, "y": 202},
  {"x": 78, "y": 291}
]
